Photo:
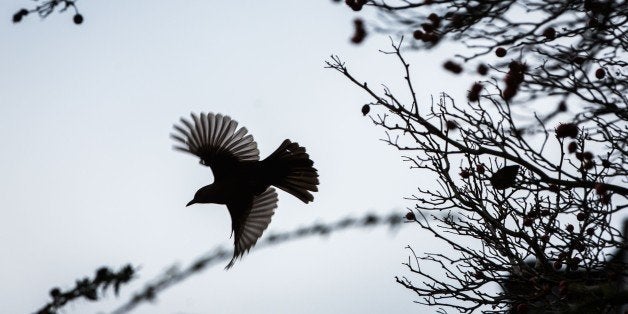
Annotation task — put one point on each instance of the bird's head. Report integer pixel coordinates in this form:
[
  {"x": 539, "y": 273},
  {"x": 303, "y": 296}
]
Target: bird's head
[{"x": 206, "y": 194}]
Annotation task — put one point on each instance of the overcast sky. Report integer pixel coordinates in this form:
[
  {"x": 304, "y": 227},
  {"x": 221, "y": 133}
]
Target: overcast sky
[{"x": 88, "y": 177}]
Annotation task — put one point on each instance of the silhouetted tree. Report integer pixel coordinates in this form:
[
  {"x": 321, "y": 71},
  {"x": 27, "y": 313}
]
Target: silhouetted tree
[{"x": 537, "y": 183}]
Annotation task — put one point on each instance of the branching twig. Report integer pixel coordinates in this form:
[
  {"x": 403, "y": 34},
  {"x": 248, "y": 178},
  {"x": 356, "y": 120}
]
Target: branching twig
[
  {"x": 88, "y": 289},
  {"x": 175, "y": 275}
]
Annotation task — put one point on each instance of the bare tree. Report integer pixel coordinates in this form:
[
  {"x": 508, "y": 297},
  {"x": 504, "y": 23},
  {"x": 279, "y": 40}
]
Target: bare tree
[{"x": 536, "y": 196}]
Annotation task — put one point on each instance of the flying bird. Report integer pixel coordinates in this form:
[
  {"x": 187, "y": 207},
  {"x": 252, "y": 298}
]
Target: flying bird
[{"x": 242, "y": 181}]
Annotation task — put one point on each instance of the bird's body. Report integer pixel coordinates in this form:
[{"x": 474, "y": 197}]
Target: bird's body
[
  {"x": 246, "y": 179},
  {"x": 241, "y": 180}
]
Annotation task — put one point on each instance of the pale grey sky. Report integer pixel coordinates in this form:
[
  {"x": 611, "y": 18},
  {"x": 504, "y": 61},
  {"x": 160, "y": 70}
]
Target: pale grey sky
[{"x": 88, "y": 176}]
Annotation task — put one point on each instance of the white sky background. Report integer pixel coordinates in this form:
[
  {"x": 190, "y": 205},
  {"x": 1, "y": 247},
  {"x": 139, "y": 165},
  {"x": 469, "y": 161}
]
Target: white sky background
[{"x": 88, "y": 177}]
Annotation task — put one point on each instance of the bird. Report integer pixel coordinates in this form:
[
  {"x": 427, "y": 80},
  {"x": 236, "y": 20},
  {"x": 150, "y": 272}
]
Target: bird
[
  {"x": 243, "y": 182},
  {"x": 505, "y": 177}
]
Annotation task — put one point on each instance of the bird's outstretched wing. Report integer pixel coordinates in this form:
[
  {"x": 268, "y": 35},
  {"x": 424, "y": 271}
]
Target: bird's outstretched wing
[
  {"x": 216, "y": 140},
  {"x": 249, "y": 219}
]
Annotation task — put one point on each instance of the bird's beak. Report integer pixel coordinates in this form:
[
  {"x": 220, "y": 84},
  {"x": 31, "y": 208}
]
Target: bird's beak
[{"x": 190, "y": 203}]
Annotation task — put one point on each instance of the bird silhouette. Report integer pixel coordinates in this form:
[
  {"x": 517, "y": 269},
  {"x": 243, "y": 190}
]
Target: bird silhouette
[
  {"x": 505, "y": 177},
  {"x": 241, "y": 180}
]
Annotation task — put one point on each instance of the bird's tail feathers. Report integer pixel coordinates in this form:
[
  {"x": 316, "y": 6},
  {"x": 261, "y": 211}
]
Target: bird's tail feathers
[{"x": 300, "y": 177}]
